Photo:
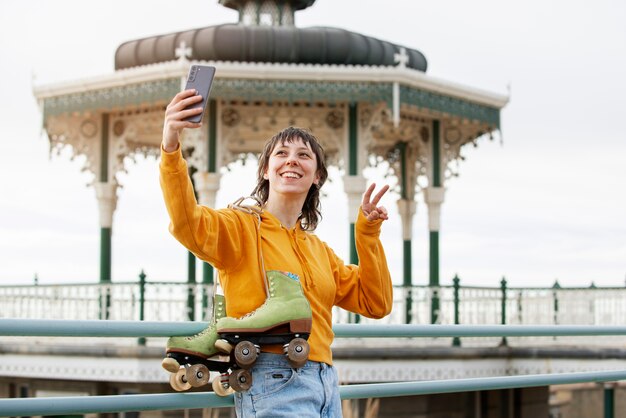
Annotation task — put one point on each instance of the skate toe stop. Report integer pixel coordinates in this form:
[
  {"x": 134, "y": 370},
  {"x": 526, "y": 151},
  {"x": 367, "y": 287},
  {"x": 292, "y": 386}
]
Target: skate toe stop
[{"x": 170, "y": 365}]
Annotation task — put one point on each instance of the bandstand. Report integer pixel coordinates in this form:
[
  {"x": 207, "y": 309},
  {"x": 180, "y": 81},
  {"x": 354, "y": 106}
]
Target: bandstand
[{"x": 367, "y": 100}]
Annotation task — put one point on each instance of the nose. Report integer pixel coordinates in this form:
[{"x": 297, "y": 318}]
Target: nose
[{"x": 292, "y": 161}]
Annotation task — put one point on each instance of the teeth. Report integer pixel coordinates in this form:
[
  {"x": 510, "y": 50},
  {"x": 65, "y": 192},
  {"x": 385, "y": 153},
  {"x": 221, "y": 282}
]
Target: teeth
[{"x": 291, "y": 175}]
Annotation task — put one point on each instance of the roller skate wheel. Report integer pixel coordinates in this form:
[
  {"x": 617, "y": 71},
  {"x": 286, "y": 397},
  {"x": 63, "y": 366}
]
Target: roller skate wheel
[
  {"x": 198, "y": 375},
  {"x": 178, "y": 381},
  {"x": 240, "y": 380},
  {"x": 224, "y": 346},
  {"x": 245, "y": 354},
  {"x": 170, "y": 365},
  {"x": 298, "y": 352},
  {"x": 220, "y": 389}
]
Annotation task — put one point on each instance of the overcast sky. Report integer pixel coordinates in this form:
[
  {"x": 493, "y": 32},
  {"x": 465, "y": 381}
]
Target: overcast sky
[{"x": 547, "y": 203}]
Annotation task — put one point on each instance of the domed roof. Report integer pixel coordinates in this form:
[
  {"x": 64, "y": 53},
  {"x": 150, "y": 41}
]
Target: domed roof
[
  {"x": 267, "y": 44},
  {"x": 293, "y": 4}
]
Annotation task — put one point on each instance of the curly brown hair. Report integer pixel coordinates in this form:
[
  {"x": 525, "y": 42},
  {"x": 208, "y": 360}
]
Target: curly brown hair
[{"x": 311, "y": 210}]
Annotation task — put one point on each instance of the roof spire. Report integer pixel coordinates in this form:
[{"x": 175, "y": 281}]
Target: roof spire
[{"x": 267, "y": 12}]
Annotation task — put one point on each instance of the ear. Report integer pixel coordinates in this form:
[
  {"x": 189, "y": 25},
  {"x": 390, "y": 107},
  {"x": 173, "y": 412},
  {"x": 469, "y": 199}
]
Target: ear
[
  {"x": 316, "y": 180},
  {"x": 266, "y": 176}
]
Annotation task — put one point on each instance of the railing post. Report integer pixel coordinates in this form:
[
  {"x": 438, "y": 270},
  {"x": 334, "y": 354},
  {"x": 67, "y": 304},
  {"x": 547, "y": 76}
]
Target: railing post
[
  {"x": 503, "y": 308},
  {"x": 142, "y": 302},
  {"x": 592, "y": 305},
  {"x": 408, "y": 304},
  {"x": 456, "y": 341},
  {"x": 105, "y": 300},
  {"x": 434, "y": 305},
  {"x": 520, "y": 315},
  {"x": 609, "y": 401},
  {"x": 555, "y": 299}
]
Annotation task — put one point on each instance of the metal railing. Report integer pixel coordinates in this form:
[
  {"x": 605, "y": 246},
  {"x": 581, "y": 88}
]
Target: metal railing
[
  {"x": 180, "y": 301},
  {"x": 455, "y": 304},
  {"x": 124, "y": 403}
]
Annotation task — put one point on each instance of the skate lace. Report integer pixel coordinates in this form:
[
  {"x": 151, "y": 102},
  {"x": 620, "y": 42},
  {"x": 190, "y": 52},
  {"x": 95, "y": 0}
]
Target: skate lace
[
  {"x": 200, "y": 334},
  {"x": 249, "y": 314},
  {"x": 249, "y": 209}
]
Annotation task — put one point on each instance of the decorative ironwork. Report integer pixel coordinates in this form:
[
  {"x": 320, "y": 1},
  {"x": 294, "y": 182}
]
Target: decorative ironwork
[
  {"x": 301, "y": 90},
  {"x": 249, "y": 125},
  {"x": 135, "y": 133},
  {"x": 273, "y": 90},
  {"x": 451, "y": 105},
  {"x": 253, "y": 110},
  {"x": 121, "y": 97},
  {"x": 68, "y": 132},
  {"x": 335, "y": 118}
]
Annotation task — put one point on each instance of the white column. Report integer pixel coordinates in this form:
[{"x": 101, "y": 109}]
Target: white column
[
  {"x": 434, "y": 196},
  {"x": 407, "y": 209},
  {"x": 207, "y": 184},
  {"x": 354, "y": 186},
  {"x": 106, "y": 193}
]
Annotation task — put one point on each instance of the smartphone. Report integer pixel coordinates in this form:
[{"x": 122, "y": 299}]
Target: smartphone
[{"x": 200, "y": 77}]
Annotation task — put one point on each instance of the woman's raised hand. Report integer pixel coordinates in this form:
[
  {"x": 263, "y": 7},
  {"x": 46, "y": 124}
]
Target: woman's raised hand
[
  {"x": 369, "y": 205},
  {"x": 174, "y": 115}
]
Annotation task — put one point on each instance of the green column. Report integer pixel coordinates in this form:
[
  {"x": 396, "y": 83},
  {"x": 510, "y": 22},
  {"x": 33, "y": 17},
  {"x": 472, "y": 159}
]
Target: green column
[
  {"x": 105, "y": 231},
  {"x": 207, "y": 269},
  {"x": 433, "y": 280},
  {"x": 407, "y": 281},
  {"x": 353, "y": 170},
  {"x": 434, "y": 235},
  {"x": 105, "y": 255},
  {"x": 191, "y": 271},
  {"x": 191, "y": 284},
  {"x": 407, "y": 265}
]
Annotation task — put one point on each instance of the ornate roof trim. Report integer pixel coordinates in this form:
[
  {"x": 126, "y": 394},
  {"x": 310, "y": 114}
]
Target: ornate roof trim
[{"x": 281, "y": 72}]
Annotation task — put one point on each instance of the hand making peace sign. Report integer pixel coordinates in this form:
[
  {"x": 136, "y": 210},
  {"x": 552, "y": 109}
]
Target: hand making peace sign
[{"x": 369, "y": 208}]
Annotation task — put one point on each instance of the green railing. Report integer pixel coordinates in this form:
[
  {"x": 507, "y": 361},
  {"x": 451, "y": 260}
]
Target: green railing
[
  {"x": 124, "y": 403},
  {"x": 455, "y": 304}
]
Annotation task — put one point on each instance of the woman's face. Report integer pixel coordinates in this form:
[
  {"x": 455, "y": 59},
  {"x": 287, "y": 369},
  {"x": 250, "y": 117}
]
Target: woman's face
[{"x": 292, "y": 168}]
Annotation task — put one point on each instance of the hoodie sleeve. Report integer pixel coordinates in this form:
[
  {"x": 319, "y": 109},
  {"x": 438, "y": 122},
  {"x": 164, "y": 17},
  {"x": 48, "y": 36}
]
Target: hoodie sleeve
[
  {"x": 212, "y": 235},
  {"x": 366, "y": 288}
]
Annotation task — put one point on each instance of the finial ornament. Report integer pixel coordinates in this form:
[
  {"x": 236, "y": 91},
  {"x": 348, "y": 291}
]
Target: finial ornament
[
  {"x": 183, "y": 52},
  {"x": 401, "y": 58}
]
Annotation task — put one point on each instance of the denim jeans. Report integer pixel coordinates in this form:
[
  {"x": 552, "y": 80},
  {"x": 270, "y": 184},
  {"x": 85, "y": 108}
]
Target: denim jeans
[{"x": 280, "y": 391}]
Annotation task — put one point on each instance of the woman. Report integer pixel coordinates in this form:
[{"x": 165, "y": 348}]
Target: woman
[{"x": 290, "y": 174}]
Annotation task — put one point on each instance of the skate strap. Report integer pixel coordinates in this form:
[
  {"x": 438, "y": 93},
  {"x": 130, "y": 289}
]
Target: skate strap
[{"x": 255, "y": 210}]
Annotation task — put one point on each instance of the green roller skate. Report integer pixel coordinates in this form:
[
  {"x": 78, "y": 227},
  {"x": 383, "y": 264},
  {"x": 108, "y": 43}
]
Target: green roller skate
[
  {"x": 192, "y": 359},
  {"x": 284, "y": 318}
]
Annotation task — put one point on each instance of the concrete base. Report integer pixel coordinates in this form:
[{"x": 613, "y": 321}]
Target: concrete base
[{"x": 585, "y": 400}]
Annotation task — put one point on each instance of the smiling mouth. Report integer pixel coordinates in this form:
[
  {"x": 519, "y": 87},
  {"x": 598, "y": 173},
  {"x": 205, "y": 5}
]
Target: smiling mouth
[{"x": 291, "y": 175}]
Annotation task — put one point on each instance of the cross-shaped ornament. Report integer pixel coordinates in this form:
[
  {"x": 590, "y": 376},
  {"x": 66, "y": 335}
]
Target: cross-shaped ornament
[
  {"x": 402, "y": 58},
  {"x": 183, "y": 51}
]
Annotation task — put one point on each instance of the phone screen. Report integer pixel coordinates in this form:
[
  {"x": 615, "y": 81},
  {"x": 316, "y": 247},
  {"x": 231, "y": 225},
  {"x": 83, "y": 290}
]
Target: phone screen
[{"x": 200, "y": 77}]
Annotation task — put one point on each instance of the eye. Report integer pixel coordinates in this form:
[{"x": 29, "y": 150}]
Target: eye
[
  {"x": 280, "y": 152},
  {"x": 305, "y": 155}
]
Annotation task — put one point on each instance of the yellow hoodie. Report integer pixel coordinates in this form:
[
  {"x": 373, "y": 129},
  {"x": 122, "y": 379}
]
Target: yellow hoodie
[{"x": 228, "y": 240}]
